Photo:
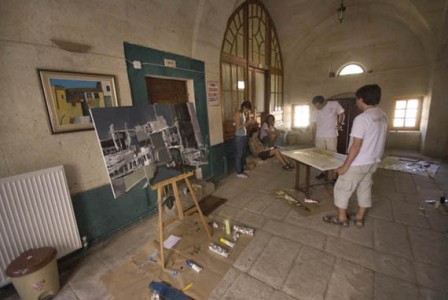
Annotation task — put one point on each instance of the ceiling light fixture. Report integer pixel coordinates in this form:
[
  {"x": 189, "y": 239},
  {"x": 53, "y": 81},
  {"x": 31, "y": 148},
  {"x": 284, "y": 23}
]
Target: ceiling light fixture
[{"x": 340, "y": 12}]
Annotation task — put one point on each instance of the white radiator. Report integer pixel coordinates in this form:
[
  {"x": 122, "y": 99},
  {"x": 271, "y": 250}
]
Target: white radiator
[{"x": 35, "y": 211}]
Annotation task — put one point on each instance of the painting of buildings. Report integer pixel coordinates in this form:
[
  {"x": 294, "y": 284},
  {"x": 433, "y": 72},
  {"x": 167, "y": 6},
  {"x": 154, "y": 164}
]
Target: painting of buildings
[{"x": 148, "y": 144}]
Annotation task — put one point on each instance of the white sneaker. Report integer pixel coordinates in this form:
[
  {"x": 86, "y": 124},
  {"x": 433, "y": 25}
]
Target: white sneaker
[{"x": 241, "y": 175}]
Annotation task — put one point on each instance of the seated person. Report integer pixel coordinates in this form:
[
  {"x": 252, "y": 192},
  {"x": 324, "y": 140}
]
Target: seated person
[
  {"x": 268, "y": 132},
  {"x": 258, "y": 150}
]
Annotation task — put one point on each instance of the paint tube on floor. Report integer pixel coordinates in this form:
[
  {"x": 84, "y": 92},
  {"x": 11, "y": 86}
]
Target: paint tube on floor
[
  {"x": 194, "y": 266},
  {"x": 227, "y": 242},
  {"x": 235, "y": 236},
  {"x": 243, "y": 230},
  {"x": 213, "y": 224},
  {"x": 312, "y": 201},
  {"x": 227, "y": 226},
  {"x": 218, "y": 249}
]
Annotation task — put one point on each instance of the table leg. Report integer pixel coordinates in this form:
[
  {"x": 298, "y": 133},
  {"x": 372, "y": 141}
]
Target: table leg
[
  {"x": 307, "y": 181},
  {"x": 298, "y": 164}
]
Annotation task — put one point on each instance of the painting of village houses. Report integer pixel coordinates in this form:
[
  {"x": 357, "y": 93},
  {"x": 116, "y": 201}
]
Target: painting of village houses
[
  {"x": 148, "y": 144},
  {"x": 69, "y": 97}
]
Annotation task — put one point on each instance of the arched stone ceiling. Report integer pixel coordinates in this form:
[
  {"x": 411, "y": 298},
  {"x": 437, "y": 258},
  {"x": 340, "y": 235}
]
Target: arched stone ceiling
[{"x": 301, "y": 22}]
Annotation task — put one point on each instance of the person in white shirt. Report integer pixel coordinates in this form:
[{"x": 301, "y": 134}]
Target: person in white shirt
[
  {"x": 367, "y": 140},
  {"x": 268, "y": 132},
  {"x": 325, "y": 122}
]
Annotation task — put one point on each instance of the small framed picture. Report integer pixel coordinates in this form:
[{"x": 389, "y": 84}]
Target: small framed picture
[{"x": 70, "y": 95}]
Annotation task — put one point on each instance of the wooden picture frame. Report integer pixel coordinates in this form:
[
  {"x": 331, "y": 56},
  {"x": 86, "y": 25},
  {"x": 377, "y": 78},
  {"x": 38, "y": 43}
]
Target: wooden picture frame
[{"x": 70, "y": 95}]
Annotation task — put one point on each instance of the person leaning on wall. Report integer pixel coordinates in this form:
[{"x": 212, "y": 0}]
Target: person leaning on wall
[
  {"x": 367, "y": 141},
  {"x": 242, "y": 121}
]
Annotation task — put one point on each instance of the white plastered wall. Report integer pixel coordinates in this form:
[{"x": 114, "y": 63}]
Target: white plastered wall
[{"x": 26, "y": 30}]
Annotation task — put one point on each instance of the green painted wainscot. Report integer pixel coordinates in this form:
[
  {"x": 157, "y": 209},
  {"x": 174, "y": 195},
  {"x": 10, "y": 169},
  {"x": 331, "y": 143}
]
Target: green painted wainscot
[{"x": 97, "y": 212}]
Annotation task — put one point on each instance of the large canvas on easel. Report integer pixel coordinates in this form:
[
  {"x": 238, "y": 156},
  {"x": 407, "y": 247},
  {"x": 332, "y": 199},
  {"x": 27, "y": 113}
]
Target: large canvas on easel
[{"x": 148, "y": 144}]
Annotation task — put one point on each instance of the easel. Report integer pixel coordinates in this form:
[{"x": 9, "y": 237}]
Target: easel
[{"x": 173, "y": 181}]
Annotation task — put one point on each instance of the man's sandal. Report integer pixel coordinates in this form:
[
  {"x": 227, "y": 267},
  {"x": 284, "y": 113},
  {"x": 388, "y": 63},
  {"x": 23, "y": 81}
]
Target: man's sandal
[
  {"x": 359, "y": 223},
  {"x": 335, "y": 221}
]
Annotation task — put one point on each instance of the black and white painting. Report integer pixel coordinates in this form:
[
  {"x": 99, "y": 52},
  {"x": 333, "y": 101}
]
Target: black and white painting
[{"x": 149, "y": 143}]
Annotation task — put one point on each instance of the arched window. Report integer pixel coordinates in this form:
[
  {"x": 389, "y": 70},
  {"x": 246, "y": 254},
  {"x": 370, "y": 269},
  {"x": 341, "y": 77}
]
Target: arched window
[
  {"x": 251, "y": 64},
  {"x": 350, "y": 69}
]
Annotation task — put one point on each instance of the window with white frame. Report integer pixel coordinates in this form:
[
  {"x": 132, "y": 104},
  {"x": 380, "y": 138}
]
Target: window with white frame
[
  {"x": 351, "y": 69},
  {"x": 407, "y": 113},
  {"x": 301, "y": 116}
]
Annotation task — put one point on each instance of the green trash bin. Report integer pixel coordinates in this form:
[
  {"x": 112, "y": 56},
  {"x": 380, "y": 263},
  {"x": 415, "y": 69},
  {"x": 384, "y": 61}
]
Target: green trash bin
[{"x": 34, "y": 274}]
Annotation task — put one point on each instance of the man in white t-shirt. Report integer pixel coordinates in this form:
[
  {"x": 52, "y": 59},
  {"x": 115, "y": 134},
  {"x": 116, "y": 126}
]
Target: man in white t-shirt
[
  {"x": 325, "y": 122},
  {"x": 367, "y": 140}
]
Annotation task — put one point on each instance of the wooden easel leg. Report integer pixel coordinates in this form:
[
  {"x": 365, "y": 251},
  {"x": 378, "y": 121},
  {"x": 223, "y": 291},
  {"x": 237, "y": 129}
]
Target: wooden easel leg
[
  {"x": 159, "y": 204},
  {"x": 180, "y": 210},
  {"x": 193, "y": 196}
]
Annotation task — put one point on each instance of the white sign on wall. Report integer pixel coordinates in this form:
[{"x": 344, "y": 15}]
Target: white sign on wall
[{"x": 213, "y": 93}]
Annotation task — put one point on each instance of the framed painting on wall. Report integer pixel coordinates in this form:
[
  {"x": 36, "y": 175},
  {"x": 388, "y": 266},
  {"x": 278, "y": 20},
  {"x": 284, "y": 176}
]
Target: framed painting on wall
[{"x": 69, "y": 96}]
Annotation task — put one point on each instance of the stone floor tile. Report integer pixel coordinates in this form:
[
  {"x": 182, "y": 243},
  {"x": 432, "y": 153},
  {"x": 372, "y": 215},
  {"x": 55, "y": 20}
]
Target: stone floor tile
[
  {"x": 432, "y": 277},
  {"x": 404, "y": 184},
  {"x": 224, "y": 284},
  {"x": 430, "y": 294},
  {"x": 278, "y": 295},
  {"x": 392, "y": 265},
  {"x": 66, "y": 293},
  {"x": 259, "y": 203},
  {"x": 246, "y": 259},
  {"x": 350, "y": 281},
  {"x": 313, "y": 222},
  {"x": 422, "y": 195},
  {"x": 246, "y": 287},
  {"x": 227, "y": 211},
  {"x": 274, "y": 262},
  {"x": 392, "y": 238},
  {"x": 381, "y": 209},
  {"x": 386, "y": 287},
  {"x": 362, "y": 236},
  {"x": 429, "y": 246},
  {"x": 437, "y": 220},
  {"x": 409, "y": 214},
  {"x": 277, "y": 210},
  {"x": 302, "y": 235},
  {"x": 241, "y": 199},
  {"x": 309, "y": 276},
  {"x": 250, "y": 219},
  {"x": 90, "y": 289}
]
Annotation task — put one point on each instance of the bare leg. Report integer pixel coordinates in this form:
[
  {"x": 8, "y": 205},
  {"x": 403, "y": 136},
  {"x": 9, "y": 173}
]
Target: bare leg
[
  {"x": 342, "y": 214},
  {"x": 279, "y": 156},
  {"x": 360, "y": 214}
]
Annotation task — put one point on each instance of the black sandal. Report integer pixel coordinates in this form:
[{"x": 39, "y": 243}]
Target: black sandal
[{"x": 332, "y": 219}]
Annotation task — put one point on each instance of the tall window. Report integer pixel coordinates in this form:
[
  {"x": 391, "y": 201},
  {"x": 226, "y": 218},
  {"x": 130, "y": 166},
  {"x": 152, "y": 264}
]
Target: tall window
[
  {"x": 407, "y": 113},
  {"x": 301, "y": 116},
  {"x": 251, "y": 64}
]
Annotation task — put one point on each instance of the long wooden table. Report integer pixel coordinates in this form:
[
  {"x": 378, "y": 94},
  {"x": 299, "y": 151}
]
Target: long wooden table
[{"x": 320, "y": 159}]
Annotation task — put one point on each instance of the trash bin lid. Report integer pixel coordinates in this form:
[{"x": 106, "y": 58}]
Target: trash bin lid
[{"x": 30, "y": 261}]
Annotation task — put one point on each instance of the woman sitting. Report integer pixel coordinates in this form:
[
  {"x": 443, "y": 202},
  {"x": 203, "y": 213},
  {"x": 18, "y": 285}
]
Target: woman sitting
[
  {"x": 268, "y": 132},
  {"x": 258, "y": 150}
]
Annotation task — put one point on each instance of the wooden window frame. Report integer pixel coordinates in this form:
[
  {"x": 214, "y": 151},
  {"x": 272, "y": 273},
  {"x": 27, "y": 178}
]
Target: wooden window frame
[
  {"x": 418, "y": 117},
  {"x": 243, "y": 19}
]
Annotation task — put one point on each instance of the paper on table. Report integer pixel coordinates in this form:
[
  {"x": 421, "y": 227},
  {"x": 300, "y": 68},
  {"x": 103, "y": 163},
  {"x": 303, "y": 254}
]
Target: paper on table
[{"x": 171, "y": 241}]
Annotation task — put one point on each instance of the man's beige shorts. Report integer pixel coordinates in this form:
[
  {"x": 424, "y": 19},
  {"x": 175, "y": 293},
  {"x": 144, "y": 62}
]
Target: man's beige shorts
[
  {"x": 327, "y": 143},
  {"x": 357, "y": 178}
]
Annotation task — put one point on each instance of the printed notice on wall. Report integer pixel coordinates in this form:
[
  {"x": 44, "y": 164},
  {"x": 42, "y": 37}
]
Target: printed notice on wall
[{"x": 213, "y": 92}]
